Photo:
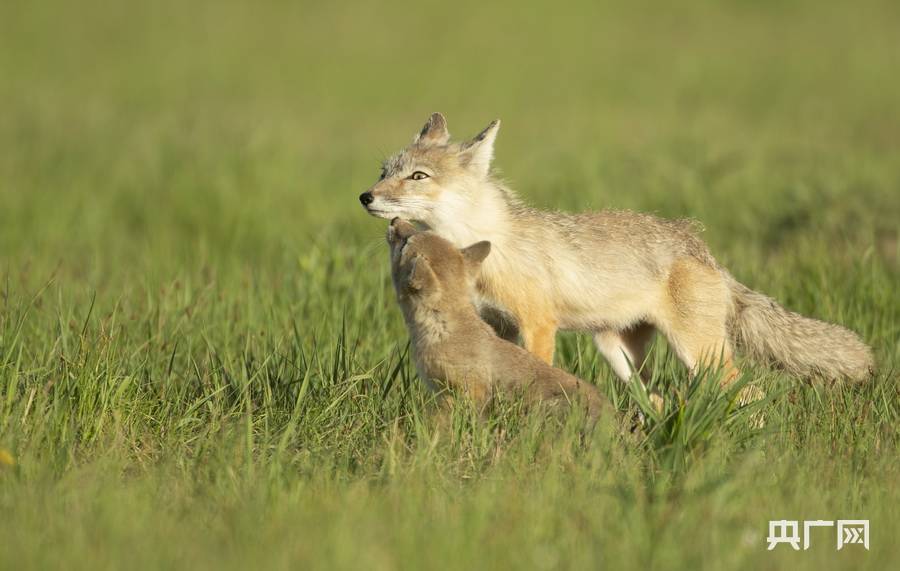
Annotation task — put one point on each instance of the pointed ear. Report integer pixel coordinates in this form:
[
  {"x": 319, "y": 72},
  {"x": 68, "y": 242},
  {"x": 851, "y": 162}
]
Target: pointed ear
[
  {"x": 434, "y": 132},
  {"x": 478, "y": 153},
  {"x": 475, "y": 254},
  {"x": 421, "y": 276}
]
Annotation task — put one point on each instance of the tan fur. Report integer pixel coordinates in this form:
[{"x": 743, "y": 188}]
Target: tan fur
[
  {"x": 694, "y": 317},
  {"x": 618, "y": 275},
  {"x": 454, "y": 349}
]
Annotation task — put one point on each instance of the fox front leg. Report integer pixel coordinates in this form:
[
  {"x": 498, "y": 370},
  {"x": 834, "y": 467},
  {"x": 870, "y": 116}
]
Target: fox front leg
[{"x": 540, "y": 339}]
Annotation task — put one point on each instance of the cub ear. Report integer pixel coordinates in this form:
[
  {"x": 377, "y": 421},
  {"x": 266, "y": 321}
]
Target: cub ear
[
  {"x": 478, "y": 153},
  {"x": 421, "y": 276},
  {"x": 475, "y": 254},
  {"x": 434, "y": 132}
]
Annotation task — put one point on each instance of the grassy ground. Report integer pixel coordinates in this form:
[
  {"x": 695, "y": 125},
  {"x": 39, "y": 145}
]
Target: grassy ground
[{"x": 201, "y": 361}]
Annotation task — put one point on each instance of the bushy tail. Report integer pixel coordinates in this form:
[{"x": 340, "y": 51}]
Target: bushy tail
[{"x": 805, "y": 347}]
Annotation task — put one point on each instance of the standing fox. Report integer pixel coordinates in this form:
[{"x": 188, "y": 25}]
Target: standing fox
[
  {"x": 451, "y": 344},
  {"x": 619, "y": 275}
]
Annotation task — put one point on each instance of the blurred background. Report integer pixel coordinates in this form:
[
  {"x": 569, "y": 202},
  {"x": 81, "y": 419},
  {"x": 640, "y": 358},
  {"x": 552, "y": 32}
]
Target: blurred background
[
  {"x": 150, "y": 136},
  {"x": 201, "y": 358}
]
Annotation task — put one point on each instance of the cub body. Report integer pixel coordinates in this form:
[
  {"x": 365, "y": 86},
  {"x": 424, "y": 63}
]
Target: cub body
[{"x": 452, "y": 346}]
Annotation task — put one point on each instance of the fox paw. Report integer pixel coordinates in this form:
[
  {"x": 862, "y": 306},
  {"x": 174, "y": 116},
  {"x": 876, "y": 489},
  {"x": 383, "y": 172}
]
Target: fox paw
[
  {"x": 749, "y": 395},
  {"x": 657, "y": 402}
]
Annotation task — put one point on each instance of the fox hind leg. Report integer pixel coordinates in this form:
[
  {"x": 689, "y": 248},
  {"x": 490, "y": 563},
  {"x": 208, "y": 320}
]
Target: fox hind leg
[
  {"x": 626, "y": 350},
  {"x": 626, "y": 353},
  {"x": 695, "y": 318},
  {"x": 698, "y": 349}
]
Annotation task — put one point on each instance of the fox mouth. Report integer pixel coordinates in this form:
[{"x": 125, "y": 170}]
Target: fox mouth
[{"x": 379, "y": 213}]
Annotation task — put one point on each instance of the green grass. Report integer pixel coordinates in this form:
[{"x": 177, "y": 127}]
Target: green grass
[{"x": 201, "y": 360}]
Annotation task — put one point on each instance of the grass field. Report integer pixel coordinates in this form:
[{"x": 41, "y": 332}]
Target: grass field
[{"x": 202, "y": 364}]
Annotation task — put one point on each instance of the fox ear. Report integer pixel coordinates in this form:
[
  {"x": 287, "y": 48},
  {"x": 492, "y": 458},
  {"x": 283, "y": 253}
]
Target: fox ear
[
  {"x": 475, "y": 254},
  {"x": 434, "y": 132},
  {"x": 478, "y": 153},
  {"x": 421, "y": 276}
]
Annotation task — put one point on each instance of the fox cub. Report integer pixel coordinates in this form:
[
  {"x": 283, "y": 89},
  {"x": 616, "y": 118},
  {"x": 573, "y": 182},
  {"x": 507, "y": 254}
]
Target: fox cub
[
  {"x": 453, "y": 347},
  {"x": 621, "y": 276}
]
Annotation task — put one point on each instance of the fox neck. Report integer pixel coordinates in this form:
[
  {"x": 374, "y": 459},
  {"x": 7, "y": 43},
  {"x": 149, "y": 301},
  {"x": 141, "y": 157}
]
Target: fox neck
[{"x": 469, "y": 215}]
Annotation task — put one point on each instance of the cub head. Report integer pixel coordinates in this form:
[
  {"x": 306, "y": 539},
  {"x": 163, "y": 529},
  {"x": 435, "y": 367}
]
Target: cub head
[
  {"x": 425, "y": 266},
  {"x": 430, "y": 173}
]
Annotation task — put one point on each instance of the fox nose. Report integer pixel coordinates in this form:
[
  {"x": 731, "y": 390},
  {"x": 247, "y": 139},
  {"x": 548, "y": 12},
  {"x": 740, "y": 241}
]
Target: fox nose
[{"x": 366, "y": 198}]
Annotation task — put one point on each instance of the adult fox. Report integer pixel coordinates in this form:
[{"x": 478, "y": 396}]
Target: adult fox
[{"x": 616, "y": 274}]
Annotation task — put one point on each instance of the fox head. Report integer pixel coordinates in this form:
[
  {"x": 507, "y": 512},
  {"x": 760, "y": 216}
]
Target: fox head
[
  {"x": 432, "y": 175},
  {"x": 426, "y": 267}
]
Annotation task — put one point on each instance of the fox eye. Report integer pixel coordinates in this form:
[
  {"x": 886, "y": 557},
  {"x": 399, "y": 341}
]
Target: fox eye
[
  {"x": 418, "y": 175},
  {"x": 383, "y": 174}
]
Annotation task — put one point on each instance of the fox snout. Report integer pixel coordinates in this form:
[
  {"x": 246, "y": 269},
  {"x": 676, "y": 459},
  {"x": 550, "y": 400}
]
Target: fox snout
[{"x": 378, "y": 201}]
